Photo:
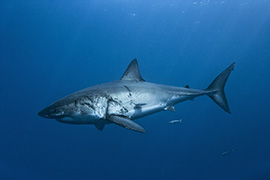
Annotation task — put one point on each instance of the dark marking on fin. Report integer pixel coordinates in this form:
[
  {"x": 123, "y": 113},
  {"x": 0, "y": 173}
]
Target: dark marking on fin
[{"x": 187, "y": 86}]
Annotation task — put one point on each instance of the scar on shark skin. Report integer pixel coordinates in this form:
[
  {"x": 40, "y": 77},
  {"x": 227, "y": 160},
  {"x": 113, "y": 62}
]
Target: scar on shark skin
[{"x": 129, "y": 94}]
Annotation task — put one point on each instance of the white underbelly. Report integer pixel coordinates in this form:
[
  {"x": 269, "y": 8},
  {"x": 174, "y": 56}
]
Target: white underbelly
[
  {"x": 147, "y": 110},
  {"x": 79, "y": 119}
]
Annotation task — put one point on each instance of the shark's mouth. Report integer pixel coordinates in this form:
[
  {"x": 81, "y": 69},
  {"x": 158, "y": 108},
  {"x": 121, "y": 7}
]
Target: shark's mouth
[{"x": 66, "y": 119}]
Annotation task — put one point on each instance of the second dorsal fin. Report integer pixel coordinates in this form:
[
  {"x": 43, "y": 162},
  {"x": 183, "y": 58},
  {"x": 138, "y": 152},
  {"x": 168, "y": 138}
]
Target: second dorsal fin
[{"x": 132, "y": 72}]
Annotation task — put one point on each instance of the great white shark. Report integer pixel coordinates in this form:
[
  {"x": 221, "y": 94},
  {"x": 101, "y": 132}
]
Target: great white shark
[{"x": 121, "y": 102}]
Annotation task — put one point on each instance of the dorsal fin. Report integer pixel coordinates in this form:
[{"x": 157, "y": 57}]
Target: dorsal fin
[{"x": 132, "y": 72}]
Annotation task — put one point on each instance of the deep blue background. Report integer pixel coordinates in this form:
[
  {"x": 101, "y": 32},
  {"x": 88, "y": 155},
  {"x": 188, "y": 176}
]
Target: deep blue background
[{"x": 49, "y": 49}]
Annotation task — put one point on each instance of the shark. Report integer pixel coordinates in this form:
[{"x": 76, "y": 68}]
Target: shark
[{"x": 123, "y": 101}]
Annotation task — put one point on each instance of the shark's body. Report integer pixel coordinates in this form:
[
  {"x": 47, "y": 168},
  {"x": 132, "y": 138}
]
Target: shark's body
[{"x": 130, "y": 98}]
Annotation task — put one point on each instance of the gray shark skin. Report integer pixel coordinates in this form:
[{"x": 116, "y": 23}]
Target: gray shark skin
[{"x": 130, "y": 98}]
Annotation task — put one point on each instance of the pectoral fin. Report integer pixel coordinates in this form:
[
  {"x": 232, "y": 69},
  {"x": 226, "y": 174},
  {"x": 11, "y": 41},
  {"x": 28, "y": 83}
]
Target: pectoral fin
[
  {"x": 100, "y": 126},
  {"x": 127, "y": 123}
]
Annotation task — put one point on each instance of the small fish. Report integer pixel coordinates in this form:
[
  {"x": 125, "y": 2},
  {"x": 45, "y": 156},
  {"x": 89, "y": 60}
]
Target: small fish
[
  {"x": 175, "y": 121},
  {"x": 227, "y": 152}
]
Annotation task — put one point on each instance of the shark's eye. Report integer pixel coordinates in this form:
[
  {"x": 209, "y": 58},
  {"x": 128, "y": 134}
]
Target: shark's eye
[{"x": 52, "y": 110}]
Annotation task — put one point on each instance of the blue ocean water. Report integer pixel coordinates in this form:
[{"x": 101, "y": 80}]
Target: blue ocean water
[{"x": 49, "y": 49}]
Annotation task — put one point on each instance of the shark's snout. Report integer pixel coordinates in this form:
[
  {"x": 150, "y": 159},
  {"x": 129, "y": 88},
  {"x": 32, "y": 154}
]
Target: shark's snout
[
  {"x": 45, "y": 113},
  {"x": 53, "y": 111},
  {"x": 50, "y": 112}
]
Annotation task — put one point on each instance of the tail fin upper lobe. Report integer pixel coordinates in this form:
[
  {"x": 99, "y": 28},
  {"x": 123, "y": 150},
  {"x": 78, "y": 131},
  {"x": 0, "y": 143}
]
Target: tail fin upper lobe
[{"x": 217, "y": 86}]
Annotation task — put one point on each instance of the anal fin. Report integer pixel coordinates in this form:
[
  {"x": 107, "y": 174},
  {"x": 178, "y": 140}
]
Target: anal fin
[
  {"x": 170, "y": 108},
  {"x": 126, "y": 123}
]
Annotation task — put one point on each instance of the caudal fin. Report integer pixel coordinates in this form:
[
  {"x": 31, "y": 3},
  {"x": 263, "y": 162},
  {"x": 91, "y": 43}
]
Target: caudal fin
[{"x": 217, "y": 87}]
